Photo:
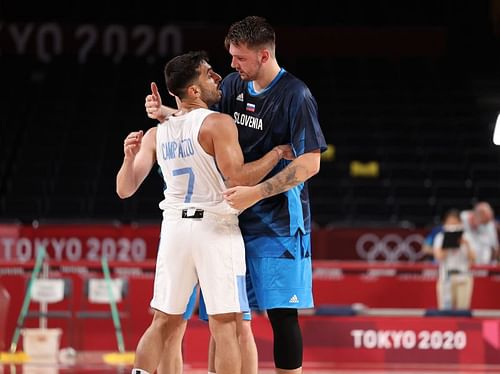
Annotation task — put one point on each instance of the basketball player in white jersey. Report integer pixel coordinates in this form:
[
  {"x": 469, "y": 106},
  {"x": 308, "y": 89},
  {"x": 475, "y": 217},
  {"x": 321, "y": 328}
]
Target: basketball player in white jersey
[{"x": 199, "y": 156}]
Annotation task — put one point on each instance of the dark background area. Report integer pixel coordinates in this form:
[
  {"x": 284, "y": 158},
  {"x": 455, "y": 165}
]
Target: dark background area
[{"x": 412, "y": 86}]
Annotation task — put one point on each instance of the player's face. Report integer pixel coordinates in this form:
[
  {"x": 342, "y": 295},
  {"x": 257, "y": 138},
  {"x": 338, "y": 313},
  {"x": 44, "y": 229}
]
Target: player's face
[
  {"x": 247, "y": 62},
  {"x": 209, "y": 82}
]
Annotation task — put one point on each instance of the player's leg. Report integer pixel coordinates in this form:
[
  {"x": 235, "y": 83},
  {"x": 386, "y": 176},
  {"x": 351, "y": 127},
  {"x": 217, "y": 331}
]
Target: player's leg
[
  {"x": 171, "y": 360},
  {"x": 248, "y": 348},
  {"x": 202, "y": 315},
  {"x": 287, "y": 338},
  {"x": 281, "y": 273},
  {"x": 220, "y": 263},
  {"x": 223, "y": 328},
  {"x": 175, "y": 279},
  {"x": 249, "y": 355},
  {"x": 150, "y": 347},
  {"x": 211, "y": 355}
]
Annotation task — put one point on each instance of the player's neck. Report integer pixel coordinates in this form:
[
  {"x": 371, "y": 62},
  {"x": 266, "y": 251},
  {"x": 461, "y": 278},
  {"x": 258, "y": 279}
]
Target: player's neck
[
  {"x": 266, "y": 76},
  {"x": 188, "y": 106}
]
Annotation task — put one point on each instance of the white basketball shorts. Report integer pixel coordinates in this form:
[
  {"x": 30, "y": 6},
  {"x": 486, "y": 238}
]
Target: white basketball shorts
[{"x": 208, "y": 250}]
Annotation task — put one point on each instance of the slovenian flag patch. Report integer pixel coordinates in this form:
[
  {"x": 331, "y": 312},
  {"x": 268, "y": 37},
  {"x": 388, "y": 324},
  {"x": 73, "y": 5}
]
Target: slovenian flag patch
[{"x": 250, "y": 107}]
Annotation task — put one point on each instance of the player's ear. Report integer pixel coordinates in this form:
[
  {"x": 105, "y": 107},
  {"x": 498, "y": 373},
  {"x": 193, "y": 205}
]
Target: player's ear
[
  {"x": 264, "y": 55},
  {"x": 194, "y": 90}
]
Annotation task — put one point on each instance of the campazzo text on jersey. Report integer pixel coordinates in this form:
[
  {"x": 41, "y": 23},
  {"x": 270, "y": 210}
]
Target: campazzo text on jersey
[{"x": 183, "y": 148}]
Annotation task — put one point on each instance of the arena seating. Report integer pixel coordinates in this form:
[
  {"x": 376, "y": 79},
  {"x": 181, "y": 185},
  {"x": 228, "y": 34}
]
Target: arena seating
[{"x": 427, "y": 127}]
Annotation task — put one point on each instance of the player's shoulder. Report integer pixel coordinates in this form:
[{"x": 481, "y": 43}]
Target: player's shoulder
[
  {"x": 294, "y": 84},
  {"x": 149, "y": 138},
  {"x": 217, "y": 126},
  {"x": 218, "y": 118},
  {"x": 151, "y": 132}
]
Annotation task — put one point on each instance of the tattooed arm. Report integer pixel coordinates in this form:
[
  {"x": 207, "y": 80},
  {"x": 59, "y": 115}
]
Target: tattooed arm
[{"x": 298, "y": 171}]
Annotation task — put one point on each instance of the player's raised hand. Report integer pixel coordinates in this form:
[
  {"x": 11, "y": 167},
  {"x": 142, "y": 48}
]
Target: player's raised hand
[
  {"x": 153, "y": 104},
  {"x": 132, "y": 143}
]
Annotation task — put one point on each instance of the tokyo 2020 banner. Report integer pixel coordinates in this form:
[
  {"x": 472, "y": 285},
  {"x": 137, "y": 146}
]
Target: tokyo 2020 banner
[
  {"x": 137, "y": 243},
  {"x": 76, "y": 243}
]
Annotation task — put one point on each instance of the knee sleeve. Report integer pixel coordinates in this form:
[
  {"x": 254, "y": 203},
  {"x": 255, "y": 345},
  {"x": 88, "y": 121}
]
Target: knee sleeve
[{"x": 287, "y": 338}]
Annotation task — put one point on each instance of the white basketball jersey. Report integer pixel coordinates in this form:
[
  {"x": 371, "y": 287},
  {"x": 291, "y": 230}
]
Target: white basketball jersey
[{"x": 190, "y": 174}]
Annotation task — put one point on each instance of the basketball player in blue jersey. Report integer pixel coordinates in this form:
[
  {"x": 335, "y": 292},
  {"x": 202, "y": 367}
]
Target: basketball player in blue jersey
[
  {"x": 271, "y": 106},
  {"x": 198, "y": 152}
]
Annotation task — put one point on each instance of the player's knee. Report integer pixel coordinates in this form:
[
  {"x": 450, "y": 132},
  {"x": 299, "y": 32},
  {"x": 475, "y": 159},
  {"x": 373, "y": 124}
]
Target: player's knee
[
  {"x": 245, "y": 333},
  {"x": 283, "y": 317},
  {"x": 287, "y": 338},
  {"x": 160, "y": 319}
]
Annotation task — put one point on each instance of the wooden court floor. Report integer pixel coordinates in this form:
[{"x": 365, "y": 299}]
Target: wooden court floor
[{"x": 93, "y": 367}]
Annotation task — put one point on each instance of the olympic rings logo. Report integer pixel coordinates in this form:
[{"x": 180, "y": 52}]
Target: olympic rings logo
[{"x": 391, "y": 247}]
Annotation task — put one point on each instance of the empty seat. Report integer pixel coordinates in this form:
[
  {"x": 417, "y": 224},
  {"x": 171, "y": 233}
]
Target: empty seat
[
  {"x": 23, "y": 208},
  {"x": 374, "y": 211},
  {"x": 369, "y": 190},
  {"x": 421, "y": 213},
  {"x": 485, "y": 173},
  {"x": 404, "y": 190},
  {"x": 326, "y": 210},
  {"x": 449, "y": 173},
  {"x": 450, "y": 190}
]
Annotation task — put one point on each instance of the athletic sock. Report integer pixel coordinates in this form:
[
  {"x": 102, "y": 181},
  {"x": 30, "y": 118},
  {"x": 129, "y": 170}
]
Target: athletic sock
[{"x": 138, "y": 371}]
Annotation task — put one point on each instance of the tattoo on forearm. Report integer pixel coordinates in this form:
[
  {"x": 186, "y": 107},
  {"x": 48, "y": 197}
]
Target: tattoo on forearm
[{"x": 281, "y": 182}]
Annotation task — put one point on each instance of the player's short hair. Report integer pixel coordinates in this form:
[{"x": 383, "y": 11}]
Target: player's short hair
[
  {"x": 253, "y": 31},
  {"x": 183, "y": 70}
]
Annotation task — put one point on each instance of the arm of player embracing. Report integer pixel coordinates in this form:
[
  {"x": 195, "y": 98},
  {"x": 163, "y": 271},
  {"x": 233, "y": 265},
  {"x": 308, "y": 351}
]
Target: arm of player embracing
[
  {"x": 219, "y": 137},
  {"x": 139, "y": 157},
  {"x": 298, "y": 171},
  {"x": 154, "y": 107}
]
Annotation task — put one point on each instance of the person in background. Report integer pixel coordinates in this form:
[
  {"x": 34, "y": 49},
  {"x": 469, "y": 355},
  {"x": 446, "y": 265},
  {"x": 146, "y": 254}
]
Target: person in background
[
  {"x": 427, "y": 245},
  {"x": 455, "y": 282},
  {"x": 481, "y": 226}
]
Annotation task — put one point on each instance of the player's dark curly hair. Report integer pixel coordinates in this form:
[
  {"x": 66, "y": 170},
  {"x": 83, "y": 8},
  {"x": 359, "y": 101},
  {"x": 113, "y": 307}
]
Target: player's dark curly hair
[
  {"x": 183, "y": 70},
  {"x": 254, "y": 31}
]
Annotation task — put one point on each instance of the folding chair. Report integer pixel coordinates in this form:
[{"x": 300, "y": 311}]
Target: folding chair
[
  {"x": 54, "y": 299},
  {"x": 97, "y": 305},
  {"x": 50, "y": 291}
]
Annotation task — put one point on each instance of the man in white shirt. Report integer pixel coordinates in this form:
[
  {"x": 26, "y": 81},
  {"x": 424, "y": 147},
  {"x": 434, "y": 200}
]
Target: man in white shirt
[{"x": 480, "y": 223}]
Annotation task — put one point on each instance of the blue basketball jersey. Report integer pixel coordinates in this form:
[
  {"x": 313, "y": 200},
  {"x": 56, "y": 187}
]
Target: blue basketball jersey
[{"x": 284, "y": 113}]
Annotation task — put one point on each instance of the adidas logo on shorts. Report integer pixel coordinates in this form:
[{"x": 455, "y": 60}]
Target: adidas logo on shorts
[{"x": 294, "y": 299}]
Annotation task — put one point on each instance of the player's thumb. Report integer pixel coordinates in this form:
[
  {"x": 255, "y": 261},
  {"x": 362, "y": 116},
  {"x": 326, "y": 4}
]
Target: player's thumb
[{"x": 154, "y": 89}]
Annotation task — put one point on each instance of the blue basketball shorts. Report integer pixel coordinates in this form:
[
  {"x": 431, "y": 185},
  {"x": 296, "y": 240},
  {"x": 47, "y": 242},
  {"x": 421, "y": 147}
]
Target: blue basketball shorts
[
  {"x": 279, "y": 271},
  {"x": 279, "y": 274}
]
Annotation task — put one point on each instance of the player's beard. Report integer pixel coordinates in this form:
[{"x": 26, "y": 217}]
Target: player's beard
[
  {"x": 213, "y": 97},
  {"x": 253, "y": 75}
]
